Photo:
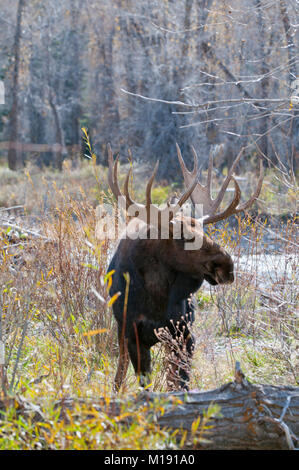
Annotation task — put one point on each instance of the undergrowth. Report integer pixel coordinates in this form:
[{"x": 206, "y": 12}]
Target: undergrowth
[{"x": 59, "y": 332}]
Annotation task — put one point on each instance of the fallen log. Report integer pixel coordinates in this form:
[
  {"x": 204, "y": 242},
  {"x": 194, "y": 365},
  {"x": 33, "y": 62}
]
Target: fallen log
[{"x": 252, "y": 417}]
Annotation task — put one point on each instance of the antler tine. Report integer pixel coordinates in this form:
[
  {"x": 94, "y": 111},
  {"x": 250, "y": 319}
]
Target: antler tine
[
  {"x": 226, "y": 182},
  {"x": 181, "y": 160},
  {"x": 186, "y": 173},
  {"x": 112, "y": 173},
  {"x": 231, "y": 209},
  {"x": 200, "y": 193},
  {"x": 187, "y": 193},
  {"x": 190, "y": 178},
  {"x": 148, "y": 190},
  {"x": 256, "y": 194},
  {"x": 129, "y": 200}
]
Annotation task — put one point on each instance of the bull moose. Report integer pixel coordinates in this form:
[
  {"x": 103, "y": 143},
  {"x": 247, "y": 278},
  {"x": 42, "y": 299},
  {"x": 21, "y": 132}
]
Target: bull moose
[{"x": 163, "y": 275}]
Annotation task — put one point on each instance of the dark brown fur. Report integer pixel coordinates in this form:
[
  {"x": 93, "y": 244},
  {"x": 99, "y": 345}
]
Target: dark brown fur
[{"x": 163, "y": 276}]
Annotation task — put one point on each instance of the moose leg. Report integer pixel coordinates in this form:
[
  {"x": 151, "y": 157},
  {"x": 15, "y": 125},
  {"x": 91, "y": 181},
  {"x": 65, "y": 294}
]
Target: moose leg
[
  {"x": 185, "y": 366},
  {"x": 123, "y": 362},
  {"x": 141, "y": 359}
]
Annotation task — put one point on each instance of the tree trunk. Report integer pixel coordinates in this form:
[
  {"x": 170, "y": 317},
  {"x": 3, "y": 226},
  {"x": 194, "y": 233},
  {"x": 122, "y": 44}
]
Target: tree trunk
[
  {"x": 14, "y": 116},
  {"x": 59, "y": 147},
  {"x": 264, "y": 84},
  {"x": 292, "y": 56}
]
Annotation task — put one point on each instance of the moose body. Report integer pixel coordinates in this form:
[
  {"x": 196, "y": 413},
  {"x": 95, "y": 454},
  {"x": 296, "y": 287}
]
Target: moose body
[
  {"x": 156, "y": 277},
  {"x": 157, "y": 298},
  {"x": 162, "y": 278}
]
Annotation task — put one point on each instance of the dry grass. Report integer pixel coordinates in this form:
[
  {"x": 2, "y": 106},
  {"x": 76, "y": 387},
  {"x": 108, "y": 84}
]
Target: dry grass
[{"x": 60, "y": 336}]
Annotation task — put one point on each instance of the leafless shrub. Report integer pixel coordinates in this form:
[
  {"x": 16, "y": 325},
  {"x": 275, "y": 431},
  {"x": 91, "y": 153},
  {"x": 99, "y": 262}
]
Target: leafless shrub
[{"x": 176, "y": 356}]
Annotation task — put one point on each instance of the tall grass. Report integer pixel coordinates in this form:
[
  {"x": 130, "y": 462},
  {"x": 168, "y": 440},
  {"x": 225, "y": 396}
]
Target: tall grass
[{"x": 60, "y": 335}]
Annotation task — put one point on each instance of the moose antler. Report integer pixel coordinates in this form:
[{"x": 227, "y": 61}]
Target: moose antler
[
  {"x": 202, "y": 194},
  {"x": 149, "y": 208}
]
